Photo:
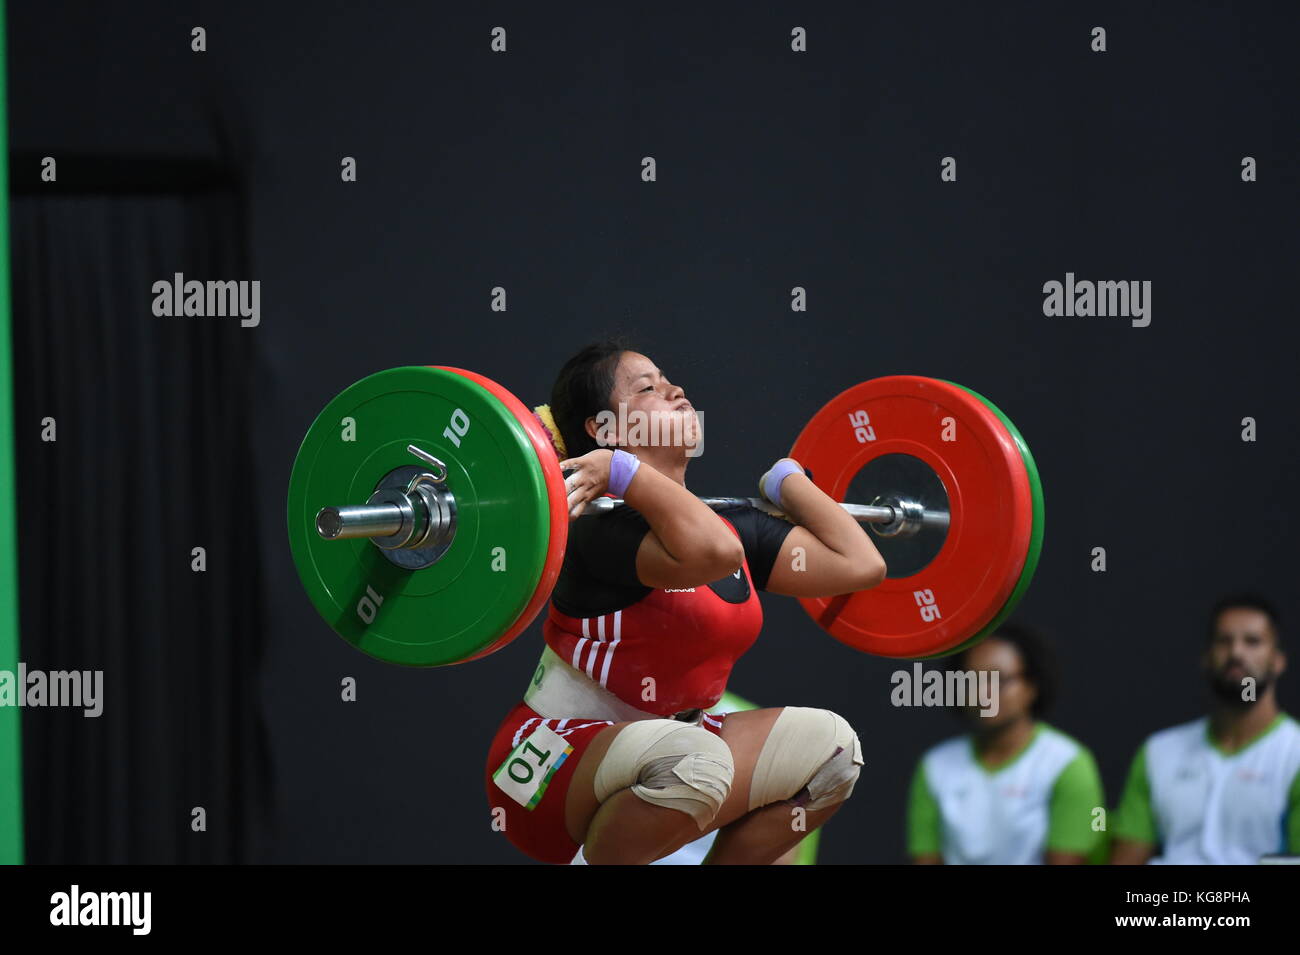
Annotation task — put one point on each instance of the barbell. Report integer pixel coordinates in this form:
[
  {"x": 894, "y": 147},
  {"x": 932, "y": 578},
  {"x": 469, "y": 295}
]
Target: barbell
[
  {"x": 462, "y": 532},
  {"x": 412, "y": 521}
]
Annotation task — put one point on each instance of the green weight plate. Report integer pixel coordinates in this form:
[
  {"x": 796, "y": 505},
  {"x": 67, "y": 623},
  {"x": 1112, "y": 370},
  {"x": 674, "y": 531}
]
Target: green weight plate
[
  {"x": 1035, "y": 538},
  {"x": 449, "y": 611}
]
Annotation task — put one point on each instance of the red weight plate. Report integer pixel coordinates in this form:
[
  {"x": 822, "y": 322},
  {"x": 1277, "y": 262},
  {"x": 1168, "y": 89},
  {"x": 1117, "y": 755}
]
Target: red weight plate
[
  {"x": 559, "y": 510},
  {"x": 989, "y": 498}
]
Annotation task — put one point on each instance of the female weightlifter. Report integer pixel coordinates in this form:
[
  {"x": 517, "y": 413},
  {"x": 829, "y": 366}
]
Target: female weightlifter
[{"x": 612, "y": 748}]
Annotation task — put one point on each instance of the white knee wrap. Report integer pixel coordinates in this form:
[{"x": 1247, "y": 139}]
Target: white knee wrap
[
  {"x": 809, "y": 748},
  {"x": 669, "y": 763}
]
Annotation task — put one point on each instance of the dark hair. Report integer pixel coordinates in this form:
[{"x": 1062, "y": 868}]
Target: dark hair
[
  {"x": 1249, "y": 601},
  {"x": 1039, "y": 661},
  {"x": 582, "y": 390}
]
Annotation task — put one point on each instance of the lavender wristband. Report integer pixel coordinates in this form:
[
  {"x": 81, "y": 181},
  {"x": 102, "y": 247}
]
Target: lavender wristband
[
  {"x": 770, "y": 483},
  {"x": 621, "y": 468}
]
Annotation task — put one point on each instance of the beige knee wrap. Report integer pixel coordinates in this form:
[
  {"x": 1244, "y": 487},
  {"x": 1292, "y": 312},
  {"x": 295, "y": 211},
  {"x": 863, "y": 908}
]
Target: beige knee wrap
[
  {"x": 807, "y": 747},
  {"x": 669, "y": 763}
]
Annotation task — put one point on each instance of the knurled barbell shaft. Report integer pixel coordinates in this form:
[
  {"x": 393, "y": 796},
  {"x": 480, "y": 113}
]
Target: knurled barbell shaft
[
  {"x": 864, "y": 513},
  {"x": 384, "y": 520}
]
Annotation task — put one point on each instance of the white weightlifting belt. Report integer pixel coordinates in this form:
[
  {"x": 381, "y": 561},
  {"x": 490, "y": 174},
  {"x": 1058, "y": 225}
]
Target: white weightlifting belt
[{"x": 558, "y": 691}]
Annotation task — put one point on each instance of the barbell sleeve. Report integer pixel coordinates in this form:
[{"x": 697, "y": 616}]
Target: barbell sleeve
[{"x": 362, "y": 520}]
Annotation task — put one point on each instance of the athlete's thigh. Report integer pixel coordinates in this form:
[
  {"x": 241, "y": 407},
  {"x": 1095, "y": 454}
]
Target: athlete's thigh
[
  {"x": 580, "y": 803},
  {"x": 744, "y": 733}
]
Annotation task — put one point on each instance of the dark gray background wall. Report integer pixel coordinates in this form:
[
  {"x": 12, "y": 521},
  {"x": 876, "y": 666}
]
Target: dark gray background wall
[{"x": 775, "y": 169}]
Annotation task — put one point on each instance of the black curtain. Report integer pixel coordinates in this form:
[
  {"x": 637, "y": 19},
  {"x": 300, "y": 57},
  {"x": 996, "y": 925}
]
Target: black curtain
[{"x": 152, "y": 459}]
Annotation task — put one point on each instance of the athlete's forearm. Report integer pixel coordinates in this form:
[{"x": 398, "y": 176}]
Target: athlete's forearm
[
  {"x": 687, "y": 527},
  {"x": 823, "y": 517}
]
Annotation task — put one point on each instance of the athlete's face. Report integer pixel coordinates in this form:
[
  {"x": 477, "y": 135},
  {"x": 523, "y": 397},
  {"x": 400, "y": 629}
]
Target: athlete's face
[
  {"x": 642, "y": 393},
  {"x": 1015, "y": 693},
  {"x": 1243, "y": 647}
]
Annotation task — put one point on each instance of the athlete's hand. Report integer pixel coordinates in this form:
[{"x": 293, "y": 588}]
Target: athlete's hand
[
  {"x": 589, "y": 480},
  {"x": 762, "y": 482}
]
